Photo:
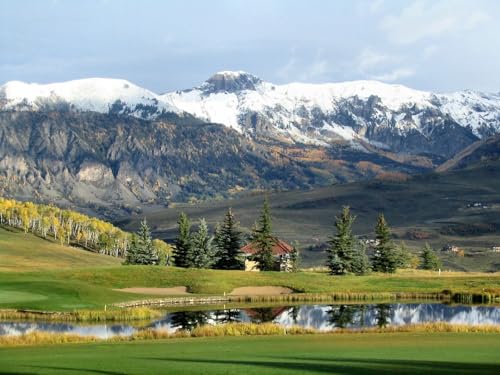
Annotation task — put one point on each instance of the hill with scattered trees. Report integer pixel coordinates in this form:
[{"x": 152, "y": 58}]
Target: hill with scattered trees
[{"x": 72, "y": 228}]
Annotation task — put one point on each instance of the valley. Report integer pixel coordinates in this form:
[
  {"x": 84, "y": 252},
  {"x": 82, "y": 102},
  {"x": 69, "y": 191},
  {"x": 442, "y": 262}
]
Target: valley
[{"x": 435, "y": 207}]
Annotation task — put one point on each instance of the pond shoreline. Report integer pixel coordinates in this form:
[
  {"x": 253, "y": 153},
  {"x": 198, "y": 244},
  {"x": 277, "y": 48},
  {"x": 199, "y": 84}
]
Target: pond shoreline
[
  {"x": 444, "y": 296},
  {"x": 145, "y": 309},
  {"x": 240, "y": 329}
]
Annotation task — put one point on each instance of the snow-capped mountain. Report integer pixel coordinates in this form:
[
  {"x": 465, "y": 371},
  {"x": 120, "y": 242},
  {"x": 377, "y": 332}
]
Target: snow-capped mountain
[
  {"x": 101, "y": 95},
  {"x": 321, "y": 113},
  {"x": 112, "y": 145},
  {"x": 390, "y": 116}
]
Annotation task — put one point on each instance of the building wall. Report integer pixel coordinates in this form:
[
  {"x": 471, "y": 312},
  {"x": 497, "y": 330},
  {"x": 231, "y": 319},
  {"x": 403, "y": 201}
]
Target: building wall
[{"x": 251, "y": 265}]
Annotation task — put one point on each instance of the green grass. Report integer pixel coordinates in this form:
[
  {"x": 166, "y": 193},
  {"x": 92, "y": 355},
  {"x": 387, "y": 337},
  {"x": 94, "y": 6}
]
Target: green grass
[
  {"x": 46, "y": 276},
  {"x": 20, "y": 252},
  {"x": 91, "y": 288},
  {"x": 380, "y": 353}
]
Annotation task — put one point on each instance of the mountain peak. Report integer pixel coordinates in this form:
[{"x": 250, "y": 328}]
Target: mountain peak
[{"x": 230, "y": 81}]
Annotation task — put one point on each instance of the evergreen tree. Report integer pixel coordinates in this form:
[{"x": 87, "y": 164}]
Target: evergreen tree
[
  {"x": 294, "y": 259},
  {"x": 142, "y": 250},
  {"x": 228, "y": 242},
  {"x": 183, "y": 242},
  {"x": 404, "y": 258},
  {"x": 430, "y": 260},
  {"x": 146, "y": 253},
  {"x": 341, "y": 246},
  {"x": 360, "y": 262},
  {"x": 385, "y": 258},
  {"x": 202, "y": 252},
  {"x": 131, "y": 257},
  {"x": 263, "y": 240}
]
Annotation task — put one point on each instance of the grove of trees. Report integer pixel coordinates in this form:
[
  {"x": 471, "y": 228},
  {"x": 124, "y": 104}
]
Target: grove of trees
[
  {"x": 346, "y": 254},
  {"x": 72, "y": 228},
  {"x": 200, "y": 249}
]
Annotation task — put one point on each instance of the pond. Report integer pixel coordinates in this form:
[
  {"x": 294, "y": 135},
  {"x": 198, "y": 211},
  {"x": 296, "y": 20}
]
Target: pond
[{"x": 320, "y": 317}]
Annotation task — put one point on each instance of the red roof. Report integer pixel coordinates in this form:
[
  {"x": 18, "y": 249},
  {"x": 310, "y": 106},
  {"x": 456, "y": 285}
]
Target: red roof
[{"x": 279, "y": 248}]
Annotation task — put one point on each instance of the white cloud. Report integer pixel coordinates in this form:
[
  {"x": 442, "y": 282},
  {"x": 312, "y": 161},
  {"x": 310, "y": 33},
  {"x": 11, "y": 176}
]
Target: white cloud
[
  {"x": 395, "y": 74},
  {"x": 369, "y": 58},
  {"x": 316, "y": 69},
  {"x": 299, "y": 69},
  {"x": 426, "y": 19},
  {"x": 286, "y": 71}
]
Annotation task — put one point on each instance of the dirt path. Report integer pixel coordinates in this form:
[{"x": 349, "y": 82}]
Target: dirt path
[
  {"x": 260, "y": 291},
  {"x": 175, "y": 291}
]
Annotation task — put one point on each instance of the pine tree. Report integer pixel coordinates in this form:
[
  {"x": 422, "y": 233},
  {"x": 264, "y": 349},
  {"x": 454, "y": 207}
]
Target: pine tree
[
  {"x": 385, "y": 258},
  {"x": 430, "y": 260},
  {"x": 263, "y": 240},
  {"x": 228, "y": 242},
  {"x": 141, "y": 250},
  {"x": 183, "y": 242},
  {"x": 294, "y": 259},
  {"x": 146, "y": 253},
  {"x": 403, "y": 256},
  {"x": 131, "y": 257},
  {"x": 341, "y": 246},
  {"x": 360, "y": 262},
  {"x": 202, "y": 251}
]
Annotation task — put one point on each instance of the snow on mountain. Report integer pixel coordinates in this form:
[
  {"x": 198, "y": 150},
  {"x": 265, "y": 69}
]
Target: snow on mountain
[
  {"x": 374, "y": 112},
  {"x": 321, "y": 113},
  {"x": 477, "y": 110},
  {"x": 92, "y": 94}
]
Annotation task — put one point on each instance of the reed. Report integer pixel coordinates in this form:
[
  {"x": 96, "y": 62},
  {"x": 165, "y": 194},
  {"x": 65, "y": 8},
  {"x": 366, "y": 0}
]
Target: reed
[
  {"x": 128, "y": 314},
  {"x": 445, "y": 295},
  {"x": 470, "y": 298},
  {"x": 42, "y": 338},
  {"x": 339, "y": 296},
  {"x": 248, "y": 329},
  {"x": 434, "y": 327},
  {"x": 243, "y": 329}
]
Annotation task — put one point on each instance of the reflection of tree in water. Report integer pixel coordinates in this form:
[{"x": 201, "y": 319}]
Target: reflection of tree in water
[
  {"x": 294, "y": 313},
  {"x": 362, "y": 309},
  {"x": 383, "y": 313},
  {"x": 227, "y": 316},
  {"x": 188, "y": 320},
  {"x": 341, "y": 315},
  {"x": 264, "y": 314}
]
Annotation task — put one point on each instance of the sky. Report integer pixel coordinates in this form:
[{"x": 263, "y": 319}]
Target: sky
[{"x": 171, "y": 45}]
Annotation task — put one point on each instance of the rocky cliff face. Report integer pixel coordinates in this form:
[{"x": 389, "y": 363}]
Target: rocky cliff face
[{"x": 109, "y": 163}]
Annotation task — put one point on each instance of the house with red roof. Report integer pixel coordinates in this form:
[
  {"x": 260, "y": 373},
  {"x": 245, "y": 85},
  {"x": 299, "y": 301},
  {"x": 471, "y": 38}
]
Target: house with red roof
[{"x": 282, "y": 253}]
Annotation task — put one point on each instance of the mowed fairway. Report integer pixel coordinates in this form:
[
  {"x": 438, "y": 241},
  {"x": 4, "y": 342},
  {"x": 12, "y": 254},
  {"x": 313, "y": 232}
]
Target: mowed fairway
[
  {"x": 398, "y": 353},
  {"x": 93, "y": 287},
  {"x": 23, "y": 259}
]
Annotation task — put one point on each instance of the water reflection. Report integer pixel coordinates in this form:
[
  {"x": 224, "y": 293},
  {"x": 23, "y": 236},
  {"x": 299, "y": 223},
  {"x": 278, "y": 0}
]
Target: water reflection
[{"x": 321, "y": 317}]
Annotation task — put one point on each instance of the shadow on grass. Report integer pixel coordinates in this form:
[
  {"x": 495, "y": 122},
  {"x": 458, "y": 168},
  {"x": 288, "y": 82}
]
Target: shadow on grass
[
  {"x": 67, "y": 370},
  {"x": 353, "y": 365}
]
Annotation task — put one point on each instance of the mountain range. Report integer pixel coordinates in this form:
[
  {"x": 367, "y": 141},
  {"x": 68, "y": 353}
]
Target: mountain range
[{"x": 108, "y": 144}]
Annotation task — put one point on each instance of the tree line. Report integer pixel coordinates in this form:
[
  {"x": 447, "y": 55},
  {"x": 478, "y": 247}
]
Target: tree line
[
  {"x": 222, "y": 249},
  {"x": 346, "y": 254},
  {"x": 73, "y": 228}
]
